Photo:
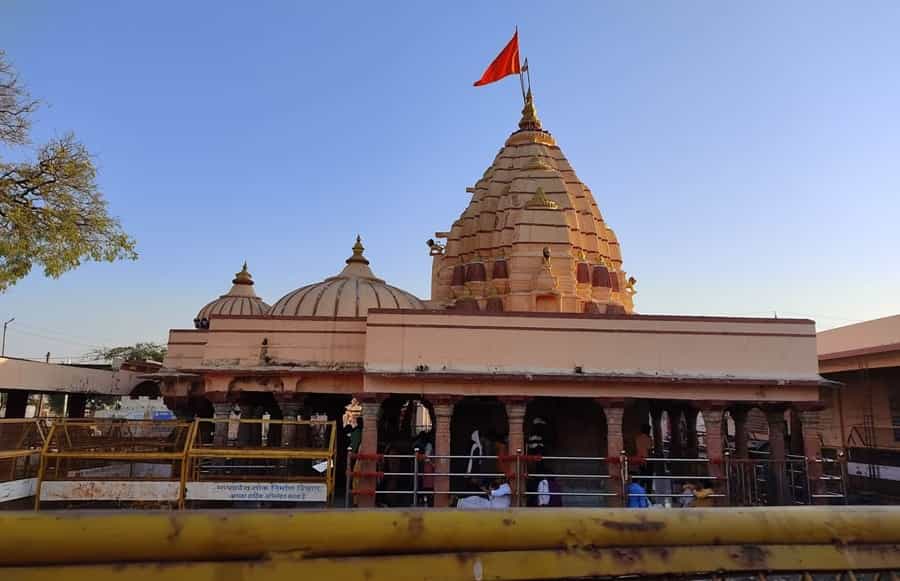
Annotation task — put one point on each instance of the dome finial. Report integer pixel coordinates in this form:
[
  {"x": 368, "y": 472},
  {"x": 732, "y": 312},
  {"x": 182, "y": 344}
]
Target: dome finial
[
  {"x": 529, "y": 121},
  {"x": 358, "y": 250},
  {"x": 243, "y": 277}
]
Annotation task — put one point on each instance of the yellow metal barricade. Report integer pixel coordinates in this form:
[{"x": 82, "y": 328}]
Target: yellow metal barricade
[
  {"x": 21, "y": 442},
  {"x": 787, "y": 543},
  {"x": 114, "y": 462},
  {"x": 273, "y": 462}
]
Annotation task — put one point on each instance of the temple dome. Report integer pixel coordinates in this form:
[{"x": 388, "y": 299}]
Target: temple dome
[
  {"x": 349, "y": 294},
  {"x": 240, "y": 300}
]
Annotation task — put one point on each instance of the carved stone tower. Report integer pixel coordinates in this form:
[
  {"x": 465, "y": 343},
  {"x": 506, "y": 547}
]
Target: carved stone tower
[{"x": 531, "y": 239}]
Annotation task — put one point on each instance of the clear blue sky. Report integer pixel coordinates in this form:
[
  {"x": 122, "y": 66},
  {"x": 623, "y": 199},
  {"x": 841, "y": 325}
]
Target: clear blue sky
[{"x": 747, "y": 154}]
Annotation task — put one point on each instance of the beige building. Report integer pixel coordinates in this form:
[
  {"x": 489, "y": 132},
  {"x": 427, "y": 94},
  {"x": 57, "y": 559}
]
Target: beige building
[
  {"x": 530, "y": 323},
  {"x": 863, "y": 415},
  {"x": 22, "y": 378}
]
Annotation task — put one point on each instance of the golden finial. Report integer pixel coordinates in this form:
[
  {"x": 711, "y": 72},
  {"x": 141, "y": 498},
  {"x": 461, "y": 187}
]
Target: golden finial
[
  {"x": 540, "y": 200},
  {"x": 243, "y": 277},
  {"x": 358, "y": 249},
  {"x": 529, "y": 121}
]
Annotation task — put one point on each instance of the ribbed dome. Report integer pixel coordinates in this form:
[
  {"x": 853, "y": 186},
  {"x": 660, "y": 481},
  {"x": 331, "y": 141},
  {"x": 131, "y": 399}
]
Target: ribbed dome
[
  {"x": 350, "y": 294},
  {"x": 240, "y": 300}
]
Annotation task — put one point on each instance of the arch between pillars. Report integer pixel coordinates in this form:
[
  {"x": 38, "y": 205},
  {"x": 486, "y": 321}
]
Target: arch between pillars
[
  {"x": 487, "y": 416},
  {"x": 556, "y": 426},
  {"x": 404, "y": 424}
]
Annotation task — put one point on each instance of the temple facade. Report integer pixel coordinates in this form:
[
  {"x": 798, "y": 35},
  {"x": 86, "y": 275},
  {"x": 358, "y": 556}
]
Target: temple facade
[{"x": 530, "y": 331}]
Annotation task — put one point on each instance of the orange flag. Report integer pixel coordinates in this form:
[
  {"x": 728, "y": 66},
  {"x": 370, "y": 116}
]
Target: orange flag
[{"x": 506, "y": 63}]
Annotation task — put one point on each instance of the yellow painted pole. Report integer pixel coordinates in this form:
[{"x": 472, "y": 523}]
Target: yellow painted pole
[
  {"x": 512, "y": 565},
  {"x": 185, "y": 461},
  {"x": 71, "y": 537},
  {"x": 42, "y": 468}
]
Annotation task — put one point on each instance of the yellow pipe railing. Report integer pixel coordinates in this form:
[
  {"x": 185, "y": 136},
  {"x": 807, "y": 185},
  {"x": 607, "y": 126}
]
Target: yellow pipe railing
[
  {"x": 72, "y": 537},
  {"x": 447, "y": 544}
]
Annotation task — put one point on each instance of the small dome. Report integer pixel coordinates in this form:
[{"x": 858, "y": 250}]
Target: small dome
[
  {"x": 349, "y": 294},
  {"x": 240, "y": 300}
]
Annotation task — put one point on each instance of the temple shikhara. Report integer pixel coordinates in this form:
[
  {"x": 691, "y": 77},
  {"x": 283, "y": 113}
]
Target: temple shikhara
[{"x": 530, "y": 341}]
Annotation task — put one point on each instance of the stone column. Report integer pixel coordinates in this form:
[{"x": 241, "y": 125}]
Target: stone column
[
  {"x": 515, "y": 415},
  {"x": 658, "y": 440},
  {"x": 741, "y": 438},
  {"x": 810, "y": 421},
  {"x": 693, "y": 442},
  {"x": 714, "y": 420},
  {"x": 675, "y": 447},
  {"x": 615, "y": 444},
  {"x": 75, "y": 405},
  {"x": 778, "y": 488},
  {"x": 368, "y": 446},
  {"x": 291, "y": 410},
  {"x": 221, "y": 413},
  {"x": 16, "y": 403},
  {"x": 443, "y": 413}
]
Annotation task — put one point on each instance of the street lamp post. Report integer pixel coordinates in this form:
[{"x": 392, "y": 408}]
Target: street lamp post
[{"x": 3, "y": 347}]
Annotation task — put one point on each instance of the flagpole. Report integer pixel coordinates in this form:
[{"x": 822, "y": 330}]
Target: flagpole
[
  {"x": 521, "y": 78},
  {"x": 528, "y": 71}
]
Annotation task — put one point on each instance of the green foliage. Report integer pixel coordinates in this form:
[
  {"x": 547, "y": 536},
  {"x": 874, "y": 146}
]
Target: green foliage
[
  {"x": 51, "y": 212},
  {"x": 136, "y": 352}
]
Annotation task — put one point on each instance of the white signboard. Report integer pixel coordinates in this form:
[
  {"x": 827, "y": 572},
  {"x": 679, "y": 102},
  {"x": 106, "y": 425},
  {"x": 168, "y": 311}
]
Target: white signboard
[
  {"x": 883, "y": 472},
  {"x": 109, "y": 490},
  {"x": 258, "y": 491},
  {"x": 16, "y": 489}
]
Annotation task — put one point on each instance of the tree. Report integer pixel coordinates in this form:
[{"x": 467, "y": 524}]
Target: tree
[
  {"x": 51, "y": 212},
  {"x": 136, "y": 352}
]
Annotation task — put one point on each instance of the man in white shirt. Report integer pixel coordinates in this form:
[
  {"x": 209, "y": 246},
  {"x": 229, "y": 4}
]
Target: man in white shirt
[{"x": 500, "y": 496}]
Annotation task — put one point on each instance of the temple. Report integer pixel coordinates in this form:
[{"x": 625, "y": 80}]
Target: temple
[{"x": 529, "y": 341}]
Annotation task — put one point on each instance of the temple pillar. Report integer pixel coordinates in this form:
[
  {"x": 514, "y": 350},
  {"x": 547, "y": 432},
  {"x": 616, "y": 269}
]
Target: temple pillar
[
  {"x": 515, "y": 415},
  {"x": 443, "y": 413},
  {"x": 741, "y": 438},
  {"x": 676, "y": 449},
  {"x": 795, "y": 428},
  {"x": 780, "y": 495},
  {"x": 615, "y": 445},
  {"x": 75, "y": 405},
  {"x": 714, "y": 418},
  {"x": 658, "y": 441},
  {"x": 291, "y": 410},
  {"x": 369, "y": 447},
  {"x": 221, "y": 415},
  {"x": 693, "y": 442},
  {"x": 16, "y": 403},
  {"x": 810, "y": 423}
]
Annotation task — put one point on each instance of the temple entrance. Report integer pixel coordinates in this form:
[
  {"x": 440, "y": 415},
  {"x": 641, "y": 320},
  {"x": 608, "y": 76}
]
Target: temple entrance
[
  {"x": 404, "y": 425},
  {"x": 259, "y": 405},
  {"x": 570, "y": 433},
  {"x": 479, "y": 427},
  {"x": 329, "y": 407}
]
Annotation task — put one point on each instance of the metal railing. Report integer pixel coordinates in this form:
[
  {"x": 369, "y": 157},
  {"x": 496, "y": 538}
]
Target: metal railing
[
  {"x": 146, "y": 463},
  {"x": 663, "y": 473},
  {"x": 400, "y": 480},
  {"x": 282, "y": 461},
  {"x": 21, "y": 442}
]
